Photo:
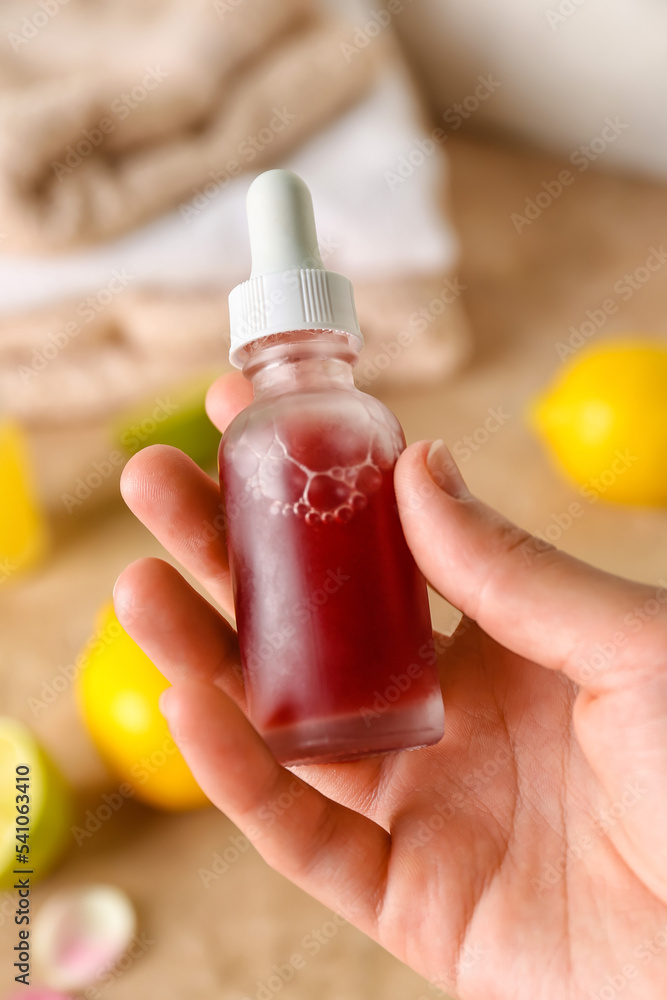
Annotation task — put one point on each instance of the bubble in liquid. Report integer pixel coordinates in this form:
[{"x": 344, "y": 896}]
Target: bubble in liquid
[
  {"x": 369, "y": 480},
  {"x": 343, "y": 514},
  {"x": 296, "y": 479},
  {"x": 306, "y": 440},
  {"x": 325, "y": 493},
  {"x": 245, "y": 461},
  {"x": 282, "y": 481}
]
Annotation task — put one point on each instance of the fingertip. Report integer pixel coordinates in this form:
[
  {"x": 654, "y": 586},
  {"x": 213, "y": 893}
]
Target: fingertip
[
  {"x": 172, "y": 704},
  {"x": 228, "y": 395},
  {"x": 444, "y": 471},
  {"x": 416, "y": 488},
  {"x": 167, "y": 703},
  {"x": 426, "y": 466},
  {"x": 122, "y": 591},
  {"x": 415, "y": 453},
  {"x": 129, "y": 478},
  {"x": 146, "y": 469},
  {"x": 411, "y": 465},
  {"x": 130, "y": 588}
]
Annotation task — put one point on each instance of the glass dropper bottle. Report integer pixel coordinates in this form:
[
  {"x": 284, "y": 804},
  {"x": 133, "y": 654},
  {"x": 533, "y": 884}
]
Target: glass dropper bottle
[{"x": 331, "y": 609}]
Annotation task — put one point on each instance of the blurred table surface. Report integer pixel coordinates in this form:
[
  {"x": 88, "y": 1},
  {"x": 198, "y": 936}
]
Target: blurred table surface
[{"x": 523, "y": 292}]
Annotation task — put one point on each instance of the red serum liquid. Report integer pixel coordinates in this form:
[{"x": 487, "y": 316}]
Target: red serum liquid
[{"x": 332, "y": 612}]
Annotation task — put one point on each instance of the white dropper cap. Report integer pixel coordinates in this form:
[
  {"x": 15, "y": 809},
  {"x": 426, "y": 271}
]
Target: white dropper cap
[{"x": 289, "y": 288}]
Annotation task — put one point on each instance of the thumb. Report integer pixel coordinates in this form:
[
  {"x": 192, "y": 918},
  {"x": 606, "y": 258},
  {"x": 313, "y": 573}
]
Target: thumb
[{"x": 537, "y": 601}]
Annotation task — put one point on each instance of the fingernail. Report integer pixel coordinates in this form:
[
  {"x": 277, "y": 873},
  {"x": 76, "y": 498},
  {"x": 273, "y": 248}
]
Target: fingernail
[
  {"x": 165, "y": 702},
  {"x": 444, "y": 470}
]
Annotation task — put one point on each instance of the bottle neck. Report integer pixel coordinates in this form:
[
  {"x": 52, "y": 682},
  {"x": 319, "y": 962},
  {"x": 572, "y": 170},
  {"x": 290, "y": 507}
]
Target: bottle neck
[{"x": 301, "y": 361}]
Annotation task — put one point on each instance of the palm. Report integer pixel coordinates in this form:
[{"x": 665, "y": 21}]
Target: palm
[
  {"x": 523, "y": 856},
  {"x": 490, "y": 838}
]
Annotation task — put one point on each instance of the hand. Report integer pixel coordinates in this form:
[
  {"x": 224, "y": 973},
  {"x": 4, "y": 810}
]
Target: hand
[{"x": 524, "y": 856}]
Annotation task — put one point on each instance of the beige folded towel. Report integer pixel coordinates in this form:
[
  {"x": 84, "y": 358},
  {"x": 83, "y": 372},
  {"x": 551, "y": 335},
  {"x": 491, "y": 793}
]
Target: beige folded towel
[
  {"x": 80, "y": 362},
  {"x": 68, "y": 388},
  {"x": 174, "y": 100}
]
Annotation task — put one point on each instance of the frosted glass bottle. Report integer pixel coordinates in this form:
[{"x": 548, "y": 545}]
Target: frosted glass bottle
[{"x": 331, "y": 609}]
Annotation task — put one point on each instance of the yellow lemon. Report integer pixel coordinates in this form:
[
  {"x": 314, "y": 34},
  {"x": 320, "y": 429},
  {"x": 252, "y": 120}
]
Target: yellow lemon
[
  {"x": 35, "y": 808},
  {"x": 23, "y": 533},
  {"x": 118, "y": 692},
  {"x": 605, "y": 421}
]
